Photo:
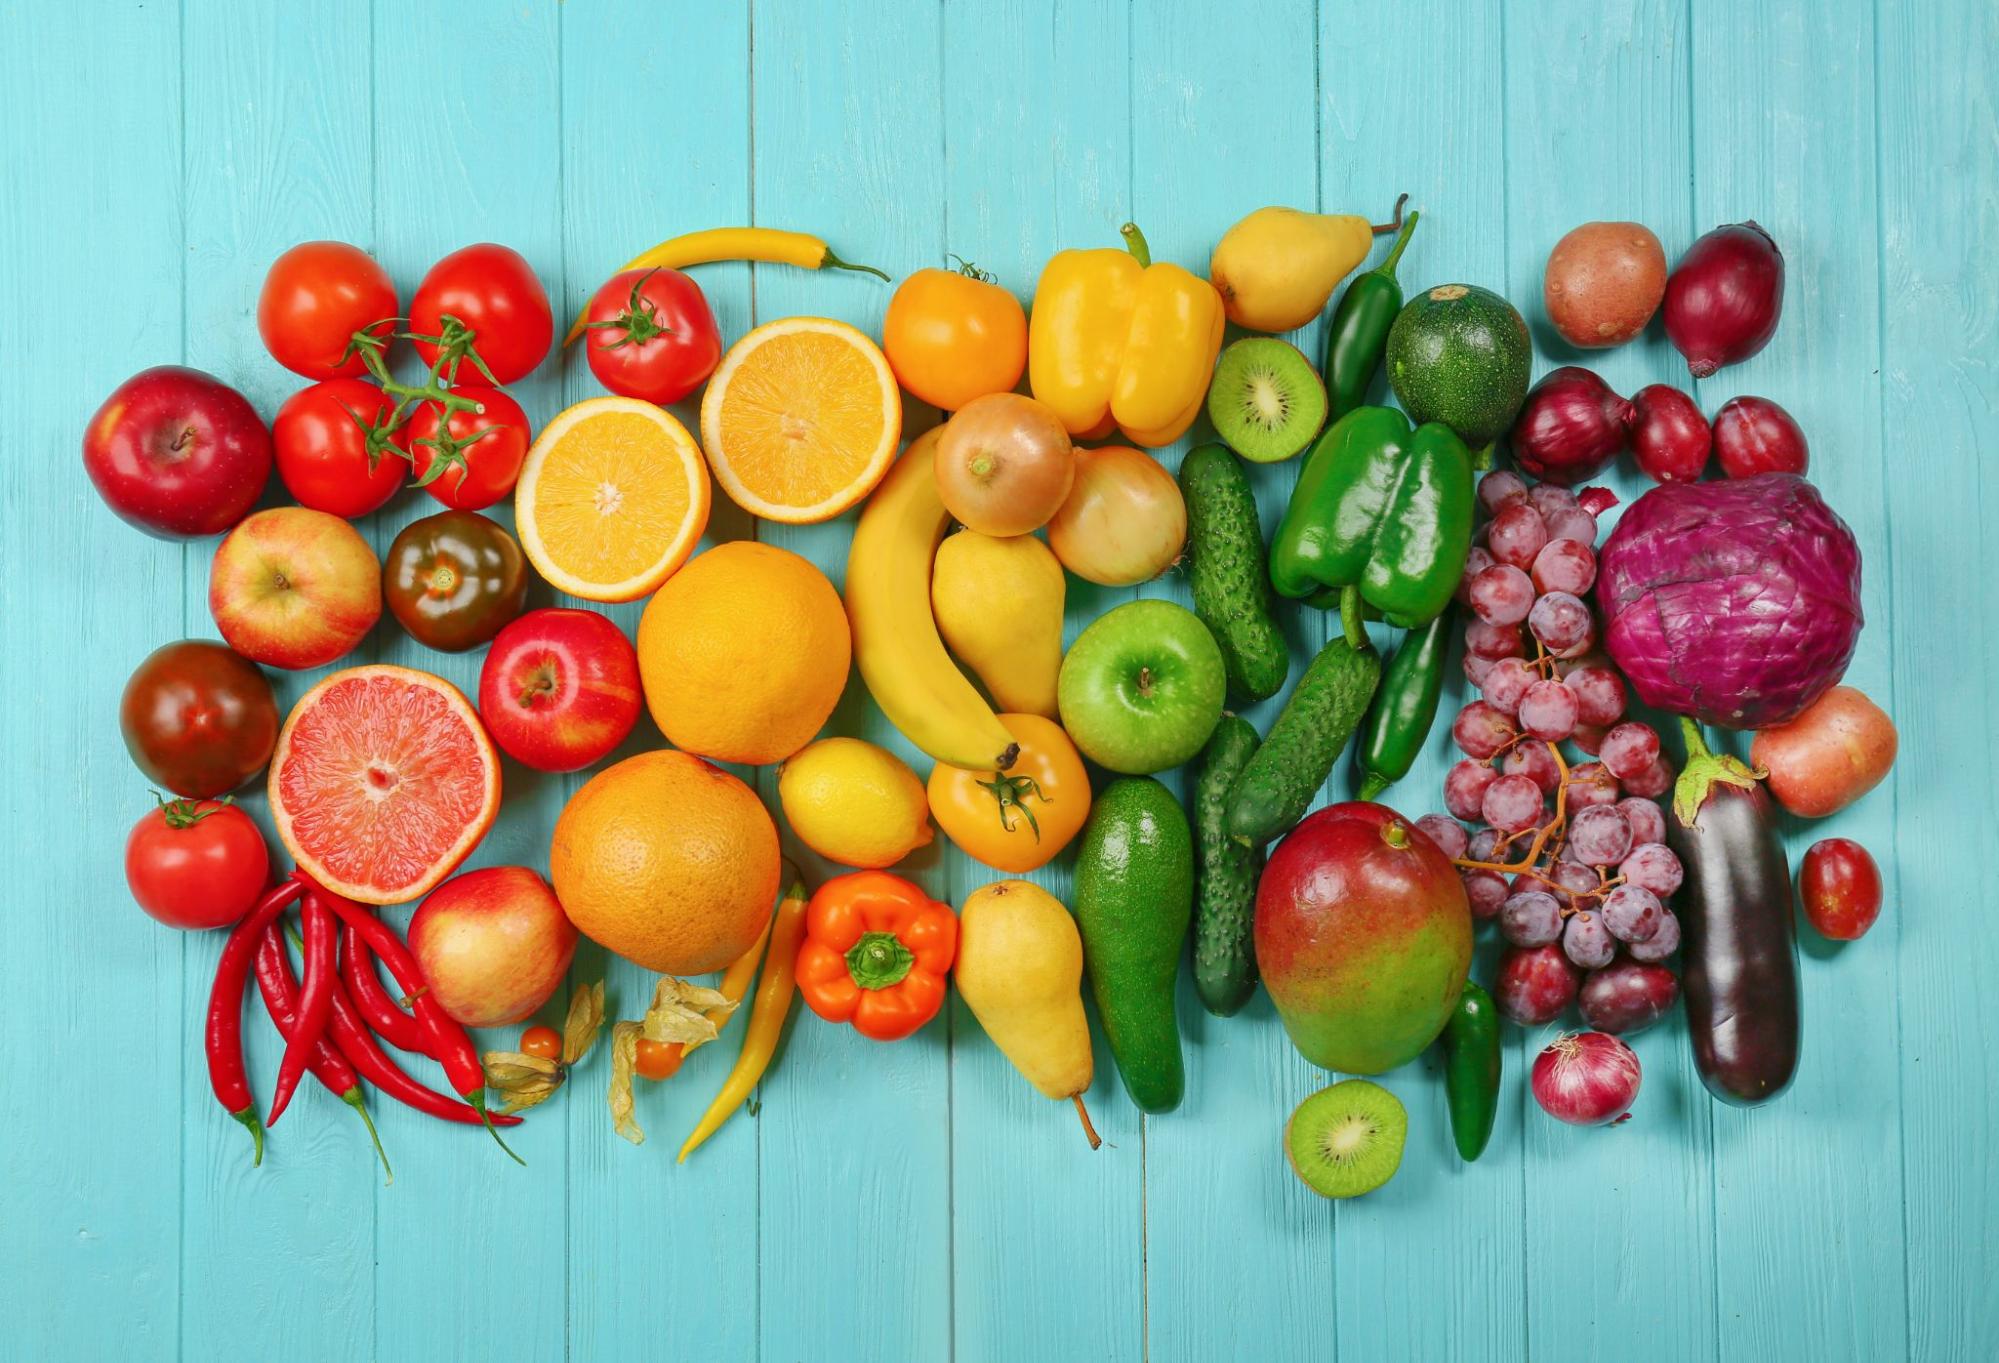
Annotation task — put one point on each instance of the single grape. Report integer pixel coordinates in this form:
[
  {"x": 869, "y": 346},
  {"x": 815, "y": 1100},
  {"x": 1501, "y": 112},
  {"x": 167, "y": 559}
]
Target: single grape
[
  {"x": 1632, "y": 913},
  {"x": 1516, "y": 533},
  {"x": 1486, "y": 890},
  {"x": 1590, "y": 785},
  {"x": 1664, "y": 941},
  {"x": 1512, "y": 803},
  {"x": 1586, "y": 941},
  {"x": 1537, "y": 764},
  {"x": 1535, "y": 985},
  {"x": 1648, "y": 823},
  {"x": 1588, "y": 737},
  {"x": 1564, "y": 566},
  {"x": 1574, "y": 523},
  {"x": 1530, "y": 918},
  {"x": 1501, "y": 595},
  {"x": 1576, "y": 881},
  {"x": 1498, "y": 488},
  {"x": 1476, "y": 668},
  {"x": 1494, "y": 641},
  {"x": 1446, "y": 832},
  {"x": 1599, "y": 693},
  {"x": 1653, "y": 782},
  {"x": 1627, "y": 996},
  {"x": 1548, "y": 498},
  {"x": 1484, "y": 842},
  {"x": 1506, "y": 681},
  {"x": 1561, "y": 621},
  {"x": 1653, "y": 866},
  {"x": 1629, "y": 749},
  {"x": 1465, "y": 785},
  {"x": 1548, "y": 710},
  {"x": 1599, "y": 835},
  {"x": 1477, "y": 559},
  {"x": 1481, "y": 730}
]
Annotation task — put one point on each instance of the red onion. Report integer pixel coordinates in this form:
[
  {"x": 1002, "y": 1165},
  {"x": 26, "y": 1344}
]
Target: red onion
[
  {"x": 1755, "y": 435},
  {"x": 1570, "y": 427},
  {"x": 1585, "y": 1078},
  {"x": 1724, "y": 297},
  {"x": 1669, "y": 436}
]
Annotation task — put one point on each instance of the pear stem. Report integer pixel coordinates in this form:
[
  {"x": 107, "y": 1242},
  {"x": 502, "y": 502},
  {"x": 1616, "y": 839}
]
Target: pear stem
[{"x": 1083, "y": 1115}]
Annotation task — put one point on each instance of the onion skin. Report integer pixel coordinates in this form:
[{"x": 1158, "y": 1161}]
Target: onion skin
[
  {"x": 1570, "y": 427},
  {"x": 1603, "y": 282},
  {"x": 1124, "y": 521},
  {"x": 1586, "y": 1078},
  {"x": 1670, "y": 438},
  {"x": 1755, "y": 435},
  {"x": 1724, "y": 297}
]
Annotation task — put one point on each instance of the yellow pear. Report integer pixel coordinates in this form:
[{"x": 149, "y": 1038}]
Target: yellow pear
[
  {"x": 1277, "y": 267},
  {"x": 998, "y": 604},
  {"x": 1020, "y": 971}
]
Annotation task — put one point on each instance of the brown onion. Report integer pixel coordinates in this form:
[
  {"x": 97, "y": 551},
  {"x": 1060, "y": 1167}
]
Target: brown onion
[
  {"x": 1669, "y": 436},
  {"x": 1724, "y": 297},
  {"x": 1125, "y": 521},
  {"x": 1755, "y": 435},
  {"x": 1570, "y": 427},
  {"x": 1004, "y": 464}
]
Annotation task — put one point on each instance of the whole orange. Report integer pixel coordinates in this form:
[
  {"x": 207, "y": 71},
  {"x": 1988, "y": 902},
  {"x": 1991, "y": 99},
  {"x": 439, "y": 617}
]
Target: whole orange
[
  {"x": 744, "y": 653},
  {"x": 667, "y": 860}
]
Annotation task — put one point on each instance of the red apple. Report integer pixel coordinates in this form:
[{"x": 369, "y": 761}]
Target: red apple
[
  {"x": 560, "y": 689},
  {"x": 292, "y": 587},
  {"x": 178, "y": 453},
  {"x": 493, "y": 945}
]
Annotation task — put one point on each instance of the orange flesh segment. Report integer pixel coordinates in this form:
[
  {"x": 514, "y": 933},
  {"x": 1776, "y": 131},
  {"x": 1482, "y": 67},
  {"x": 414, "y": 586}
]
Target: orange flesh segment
[
  {"x": 803, "y": 418},
  {"x": 611, "y": 497}
]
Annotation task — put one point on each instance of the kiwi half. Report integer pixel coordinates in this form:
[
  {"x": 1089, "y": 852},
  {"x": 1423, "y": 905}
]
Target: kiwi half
[
  {"x": 1347, "y": 1140},
  {"x": 1266, "y": 401}
]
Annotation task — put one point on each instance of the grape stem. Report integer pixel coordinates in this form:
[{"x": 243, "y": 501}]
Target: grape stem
[{"x": 1541, "y": 834}]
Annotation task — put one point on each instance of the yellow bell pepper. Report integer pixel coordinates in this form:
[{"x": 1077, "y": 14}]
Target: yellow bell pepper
[{"x": 1117, "y": 341}]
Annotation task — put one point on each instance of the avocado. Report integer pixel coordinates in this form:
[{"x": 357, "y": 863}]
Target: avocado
[
  {"x": 1460, "y": 354},
  {"x": 1134, "y": 898}
]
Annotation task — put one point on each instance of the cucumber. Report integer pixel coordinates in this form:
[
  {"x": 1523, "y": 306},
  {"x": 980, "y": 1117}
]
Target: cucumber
[
  {"x": 1277, "y": 786},
  {"x": 1460, "y": 354},
  {"x": 1134, "y": 894},
  {"x": 1226, "y": 871},
  {"x": 1229, "y": 573}
]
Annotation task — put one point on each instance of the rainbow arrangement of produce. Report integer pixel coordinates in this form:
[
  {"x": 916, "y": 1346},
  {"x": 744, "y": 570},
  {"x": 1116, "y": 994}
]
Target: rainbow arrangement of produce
[{"x": 1625, "y": 858}]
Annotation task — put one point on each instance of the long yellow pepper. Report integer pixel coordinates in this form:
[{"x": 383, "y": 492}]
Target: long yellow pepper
[
  {"x": 1118, "y": 341},
  {"x": 767, "y": 1014}
]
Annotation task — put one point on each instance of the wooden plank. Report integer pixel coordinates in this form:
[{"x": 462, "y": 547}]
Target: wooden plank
[
  {"x": 854, "y": 1138},
  {"x": 1938, "y": 215},
  {"x": 467, "y": 150},
  {"x": 1034, "y": 1212},
  {"x": 1381, "y": 135},
  {"x": 1596, "y": 121},
  {"x": 105, "y": 1098},
  {"x": 278, "y": 133},
  {"x": 1782, "y": 130},
  {"x": 636, "y": 1219}
]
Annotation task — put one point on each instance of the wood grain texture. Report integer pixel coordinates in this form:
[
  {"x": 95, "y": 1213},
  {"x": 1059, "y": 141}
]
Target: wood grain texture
[{"x": 920, "y": 1200}]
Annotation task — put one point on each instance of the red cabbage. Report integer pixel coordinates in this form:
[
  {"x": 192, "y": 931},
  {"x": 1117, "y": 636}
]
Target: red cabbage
[{"x": 1736, "y": 602}]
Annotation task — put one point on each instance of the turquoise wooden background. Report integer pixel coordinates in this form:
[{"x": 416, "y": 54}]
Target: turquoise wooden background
[{"x": 918, "y": 1201}]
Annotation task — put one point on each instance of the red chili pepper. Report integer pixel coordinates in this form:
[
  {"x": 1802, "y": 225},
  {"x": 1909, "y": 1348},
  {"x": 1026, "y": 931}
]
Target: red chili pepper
[
  {"x": 449, "y": 1042},
  {"x": 223, "y": 1038},
  {"x": 372, "y": 1000},
  {"x": 280, "y": 990},
  {"x": 315, "y": 1005}
]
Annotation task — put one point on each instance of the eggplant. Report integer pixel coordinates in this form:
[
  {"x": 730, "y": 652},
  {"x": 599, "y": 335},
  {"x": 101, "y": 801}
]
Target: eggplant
[{"x": 1739, "y": 944}]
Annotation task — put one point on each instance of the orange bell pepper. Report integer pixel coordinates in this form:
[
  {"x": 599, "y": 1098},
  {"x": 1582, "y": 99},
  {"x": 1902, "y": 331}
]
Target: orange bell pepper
[{"x": 876, "y": 952}]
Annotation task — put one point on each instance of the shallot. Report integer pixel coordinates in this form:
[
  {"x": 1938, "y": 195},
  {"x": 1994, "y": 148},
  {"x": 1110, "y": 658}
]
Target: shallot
[
  {"x": 1670, "y": 438},
  {"x": 1755, "y": 435}
]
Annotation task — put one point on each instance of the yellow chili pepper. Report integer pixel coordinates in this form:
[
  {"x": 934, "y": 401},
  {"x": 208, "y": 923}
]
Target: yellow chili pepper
[
  {"x": 766, "y": 244},
  {"x": 767, "y": 1014},
  {"x": 1117, "y": 341}
]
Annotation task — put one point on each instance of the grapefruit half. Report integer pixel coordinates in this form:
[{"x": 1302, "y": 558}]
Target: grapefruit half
[{"x": 383, "y": 782}]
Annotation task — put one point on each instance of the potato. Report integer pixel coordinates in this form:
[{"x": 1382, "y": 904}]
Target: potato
[
  {"x": 1603, "y": 283},
  {"x": 1829, "y": 756}
]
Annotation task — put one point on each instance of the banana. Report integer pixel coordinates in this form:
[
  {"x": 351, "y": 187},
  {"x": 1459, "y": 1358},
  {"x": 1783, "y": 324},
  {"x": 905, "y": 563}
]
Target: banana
[{"x": 896, "y": 642}]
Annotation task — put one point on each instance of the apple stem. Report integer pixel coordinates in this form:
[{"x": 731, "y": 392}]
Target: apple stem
[{"x": 1144, "y": 681}]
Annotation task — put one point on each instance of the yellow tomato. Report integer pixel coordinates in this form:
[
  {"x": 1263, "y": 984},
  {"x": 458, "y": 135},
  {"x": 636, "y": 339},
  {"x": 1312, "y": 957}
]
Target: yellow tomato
[
  {"x": 1018, "y": 819},
  {"x": 954, "y": 335}
]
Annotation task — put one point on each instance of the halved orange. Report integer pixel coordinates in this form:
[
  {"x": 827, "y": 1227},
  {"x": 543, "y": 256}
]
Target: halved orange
[
  {"x": 612, "y": 499},
  {"x": 801, "y": 420},
  {"x": 383, "y": 782}
]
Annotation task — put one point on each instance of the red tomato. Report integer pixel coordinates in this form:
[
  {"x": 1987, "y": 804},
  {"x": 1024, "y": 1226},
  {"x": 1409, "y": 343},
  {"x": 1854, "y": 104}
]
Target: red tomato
[
  {"x": 650, "y": 335},
  {"x": 492, "y": 290},
  {"x": 323, "y": 452},
  {"x": 317, "y": 295},
  {"x": 196, "y": 863},
  {"x": 485, "y": 470}
]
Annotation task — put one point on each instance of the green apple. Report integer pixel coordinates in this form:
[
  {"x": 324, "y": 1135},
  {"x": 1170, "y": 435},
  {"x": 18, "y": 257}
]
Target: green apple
[{"x": 1141, "y": 688}]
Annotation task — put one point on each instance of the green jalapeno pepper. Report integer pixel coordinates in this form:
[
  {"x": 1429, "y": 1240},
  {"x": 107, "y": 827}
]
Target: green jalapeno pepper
[
  {"x": 1405, "y": 706},
  {"x": 1357, "y": 337},
  {"x": 1471, "y": 1070}
]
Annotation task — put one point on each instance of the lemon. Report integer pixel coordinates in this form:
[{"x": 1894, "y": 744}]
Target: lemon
[{"x": 854, "y": 803}]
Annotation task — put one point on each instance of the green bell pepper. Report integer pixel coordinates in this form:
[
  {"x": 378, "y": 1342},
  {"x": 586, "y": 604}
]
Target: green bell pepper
[{"x": 1380, "y": 508}]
